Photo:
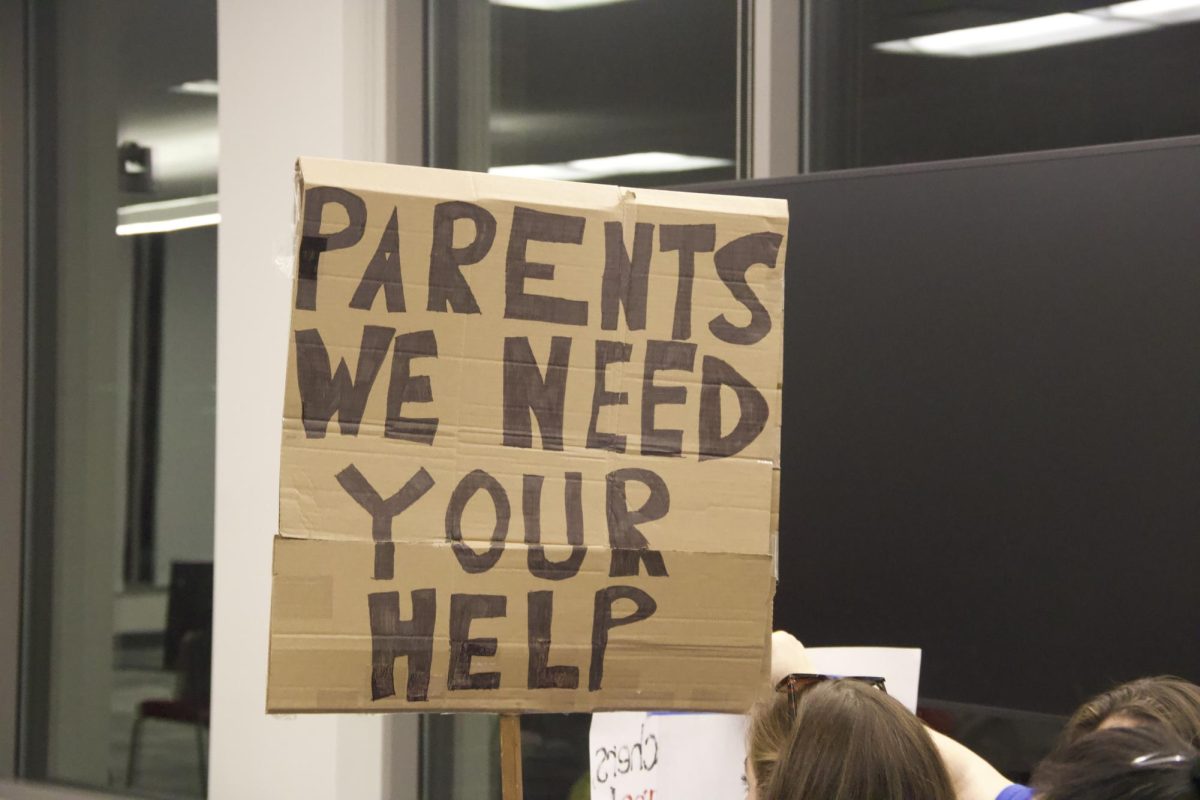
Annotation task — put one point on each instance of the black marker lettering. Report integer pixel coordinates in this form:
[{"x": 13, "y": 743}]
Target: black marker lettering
[
  {"x": 464, "y": 608},
  {"x": 531, "y": 501},
  {"x": 603, "y": 622},
  {"x": 313, "y": 243},
  {"x": 384, "y": 511},
  {"x": 629, "y": 545},
  {"x": 471, "y": 483},
  {"x": 732, "y": 262},
  {"x": 663, "y": 356},
  {"x": 383, "y": 272},
  {"x": 405, "y": 387},
  {"x": 626, "y": 280},
  {"x": 322, "y": 393},
  {"x": 648, "y": 740},
  {"x": 541, "y": 674},
  {"x": 688, "y": 240},
  {"x": 530, "y": 225},
  {"x": 526, "y": 390},
  {"x": 607, "y": 353},
  {"x": 603, "y": 752},
  {"x": 448, "y": 289},
  {"x": 752, "y": 411},
  {"x": 392, "y": 638}
]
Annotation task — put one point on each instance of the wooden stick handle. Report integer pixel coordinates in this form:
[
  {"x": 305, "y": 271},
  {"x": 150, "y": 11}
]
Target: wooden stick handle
[{"x": 510, "y": 757}]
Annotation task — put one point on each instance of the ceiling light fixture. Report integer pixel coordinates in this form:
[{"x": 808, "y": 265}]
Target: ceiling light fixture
[
  {"x": 164, "y": 216},
  {"x": 590, "y": 169},
  {"x": 1122, "y": 19},
  {"x": 206, "y": 87},
  {"x": 1166, "y": 12},
  {"x": 554, "y": 5},
  {"x": 168, "y": 225}
]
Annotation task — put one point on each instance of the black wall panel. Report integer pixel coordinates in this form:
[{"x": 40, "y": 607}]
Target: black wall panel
[{"x": 991, "y": 434}]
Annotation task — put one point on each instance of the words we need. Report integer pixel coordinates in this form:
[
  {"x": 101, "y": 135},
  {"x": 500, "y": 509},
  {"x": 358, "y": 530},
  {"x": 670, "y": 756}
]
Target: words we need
[{"x": 622, "y": 284}]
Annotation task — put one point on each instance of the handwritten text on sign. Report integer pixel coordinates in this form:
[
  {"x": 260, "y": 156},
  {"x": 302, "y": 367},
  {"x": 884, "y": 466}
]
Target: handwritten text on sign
[{"x": 529, "y": 440}]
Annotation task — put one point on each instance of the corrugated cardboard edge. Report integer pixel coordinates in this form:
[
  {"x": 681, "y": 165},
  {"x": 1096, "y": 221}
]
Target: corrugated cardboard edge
[{"x": 405, "y": 180}]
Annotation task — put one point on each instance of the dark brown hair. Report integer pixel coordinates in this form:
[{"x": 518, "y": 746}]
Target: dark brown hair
[
  {"x": 1146, "y": 763},
  {"x": 850, "y": 741},
  {"x": 1165, "y": 699}
]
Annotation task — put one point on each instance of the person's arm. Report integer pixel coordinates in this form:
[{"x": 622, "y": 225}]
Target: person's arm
[{"x": 972, "y": 777}]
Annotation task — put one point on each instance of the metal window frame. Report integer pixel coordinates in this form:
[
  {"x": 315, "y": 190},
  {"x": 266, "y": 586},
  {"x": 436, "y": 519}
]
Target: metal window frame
[
  {"x": 39, "y": 270},
  {"x": 12, "y": 367}
]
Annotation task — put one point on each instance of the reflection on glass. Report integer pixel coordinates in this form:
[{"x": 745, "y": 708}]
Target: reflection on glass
[
  {"x": 638, "y": 92},
  {"x": 891, "y": 83},
  {"x": 122, "y": 428}
]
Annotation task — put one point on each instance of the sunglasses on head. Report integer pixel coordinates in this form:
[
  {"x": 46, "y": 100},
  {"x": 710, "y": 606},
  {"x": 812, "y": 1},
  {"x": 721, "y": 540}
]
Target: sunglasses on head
[{"x": 796, "y": 683}]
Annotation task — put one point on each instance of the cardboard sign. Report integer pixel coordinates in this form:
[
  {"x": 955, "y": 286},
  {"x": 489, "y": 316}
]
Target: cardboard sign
[{"x": 529, "y": 445}]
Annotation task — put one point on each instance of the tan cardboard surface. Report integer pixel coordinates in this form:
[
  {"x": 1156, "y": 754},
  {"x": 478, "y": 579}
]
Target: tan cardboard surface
[
  {"x": 371, "y": 240},
  {"x": 669, "y": 660}
]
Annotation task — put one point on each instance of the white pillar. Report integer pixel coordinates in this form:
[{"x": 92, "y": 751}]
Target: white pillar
[
  {"x": 297, "y": 77},
  {"x": 776, "y": 94}
]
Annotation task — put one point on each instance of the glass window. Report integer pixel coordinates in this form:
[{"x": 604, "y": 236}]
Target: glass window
[
  {"x": 636, "y": 92},
  {"x": 122, "y": 275},
  {"x": 895, "y": 81},
  {"x": 631, "y": 92}
]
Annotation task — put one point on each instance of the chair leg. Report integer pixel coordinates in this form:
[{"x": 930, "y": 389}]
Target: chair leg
[
  {"x": 203, "y": 760},
  {"x": 135, "y": 739}
]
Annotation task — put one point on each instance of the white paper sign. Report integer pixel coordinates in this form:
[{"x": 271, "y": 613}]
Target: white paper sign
[
  {"x": 662, "y": 756},
  {"x": 900, "y": 666}
]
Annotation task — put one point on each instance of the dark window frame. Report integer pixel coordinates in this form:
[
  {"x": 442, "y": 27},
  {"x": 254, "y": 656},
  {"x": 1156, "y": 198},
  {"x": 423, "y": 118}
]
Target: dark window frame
[{"x": 12, "y": 367}]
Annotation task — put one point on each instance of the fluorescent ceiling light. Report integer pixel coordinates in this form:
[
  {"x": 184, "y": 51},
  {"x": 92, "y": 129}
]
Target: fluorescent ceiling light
[
  {"x": 546, "y": 172},
  {"x": 590, "y": 169},
  {"x": 206, "y": 87},
  {"x": 554, "y": 5},
  {"x": 168, "y": 225},
  {"x": 1138, "y": 16},
  {"x": 1014, "y": 37},
  {"x": 163, "y": 216},
  {"x": 1166, "y": 12}
]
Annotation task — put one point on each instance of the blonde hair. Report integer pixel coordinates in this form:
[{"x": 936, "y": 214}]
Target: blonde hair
[{"x": 770, "y": 727}]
